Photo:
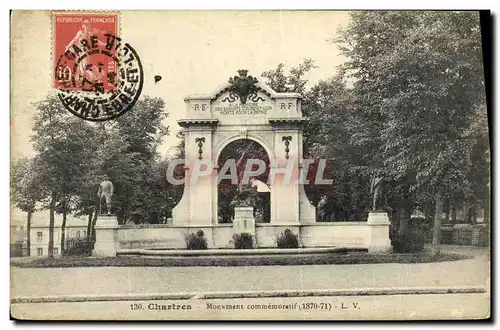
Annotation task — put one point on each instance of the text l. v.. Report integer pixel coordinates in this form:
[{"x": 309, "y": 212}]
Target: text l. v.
[{"x": 355, "y": 305}]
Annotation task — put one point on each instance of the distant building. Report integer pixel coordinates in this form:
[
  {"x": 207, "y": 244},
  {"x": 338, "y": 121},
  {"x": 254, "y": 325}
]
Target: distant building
[
  {"x": 76, "y": 227},
  {"x": 17, "y": 237}
]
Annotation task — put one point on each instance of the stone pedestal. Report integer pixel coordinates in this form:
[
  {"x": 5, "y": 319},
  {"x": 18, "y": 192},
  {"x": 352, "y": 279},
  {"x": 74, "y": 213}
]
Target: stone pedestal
[
  {"x": 106, "y": 236},
  {"x": 243, "y": 220},
  {"x": 378, "y": 229}
]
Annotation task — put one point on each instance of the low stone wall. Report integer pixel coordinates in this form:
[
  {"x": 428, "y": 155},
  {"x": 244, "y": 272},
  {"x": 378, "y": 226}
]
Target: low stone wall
[
  {"x": 170, "y": 237},
  {"x": 343, "y": 234},
  {"x": 155, "y": 236},
  {"x": 222, "y": 236},
  {"x": 329, "y": 234}
]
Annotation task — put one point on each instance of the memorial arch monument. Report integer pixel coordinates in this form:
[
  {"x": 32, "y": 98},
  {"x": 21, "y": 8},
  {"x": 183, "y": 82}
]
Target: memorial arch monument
[
  {"x": 246, "y": 109},
  {"x": 243, "y": 109}
]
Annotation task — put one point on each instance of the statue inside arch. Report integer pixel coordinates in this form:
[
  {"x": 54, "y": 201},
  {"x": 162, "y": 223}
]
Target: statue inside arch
[{"x": 246, "y": 195}]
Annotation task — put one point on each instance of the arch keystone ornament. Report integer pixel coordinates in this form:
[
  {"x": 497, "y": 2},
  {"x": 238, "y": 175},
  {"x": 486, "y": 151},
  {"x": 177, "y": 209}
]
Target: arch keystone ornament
[{"x": 243, "y": 87}]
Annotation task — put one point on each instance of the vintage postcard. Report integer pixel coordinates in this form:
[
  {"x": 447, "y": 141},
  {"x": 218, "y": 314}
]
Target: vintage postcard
[{"x": 250, "y": 165}]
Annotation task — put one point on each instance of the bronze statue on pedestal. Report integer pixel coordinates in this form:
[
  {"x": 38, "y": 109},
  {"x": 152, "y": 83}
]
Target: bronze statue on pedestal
[
  {"x": 106, "y": 190},
  {"x": 376, "y": 190}
]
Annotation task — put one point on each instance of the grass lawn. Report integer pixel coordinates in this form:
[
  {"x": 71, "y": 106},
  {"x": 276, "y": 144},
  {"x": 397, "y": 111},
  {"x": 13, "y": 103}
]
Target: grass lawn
[{"x": 230, "y": 261}]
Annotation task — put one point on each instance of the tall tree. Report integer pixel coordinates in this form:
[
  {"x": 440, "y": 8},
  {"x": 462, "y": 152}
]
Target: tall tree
[
  {"x": 49, "y": 127},
  {"x": 79, "y": 148},
  {"x": 26, "y": 191},
  {"x": 479, "y": 172},
  {"x": 63, "y": 145},
  {"x": 421, "y": 75},
  {"x": 293, "y": 82},
  {"x": 127, "y": 153},
  {"x": 329, "y": 107}
]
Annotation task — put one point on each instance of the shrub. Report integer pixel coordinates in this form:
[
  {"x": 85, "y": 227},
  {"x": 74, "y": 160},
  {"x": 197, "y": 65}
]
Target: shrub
[
  {"x": 196, "y": 241},
  {"x": 243, "y": 241},
  {"x": 287, "y": 240}
]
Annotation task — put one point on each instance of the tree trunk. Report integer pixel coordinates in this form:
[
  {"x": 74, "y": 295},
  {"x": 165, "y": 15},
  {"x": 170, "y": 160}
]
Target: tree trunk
[
  {"x": 93, "y": 226},
  {"x": 473, "y": 215},
  {"x": 486, "y": 209},
  {"x": 96, "y": 212},
  {"x": 63, "y": 230},
  {"x": 403, "y": 222},
  {"x": 487, "y": 204},
  {"x": 428, "y": 209},
  {"x": 453, "y": 215},
  {"x": 467, "y": 214},
  {"x": 28, "y": 234},
  {"x": 447, "y": 211},
  {"x": 405, "y": 215},
  {"x": 436, "y": 234},
  {"x": 52, "y": 206},
  {"x": 89, "y": 226}
]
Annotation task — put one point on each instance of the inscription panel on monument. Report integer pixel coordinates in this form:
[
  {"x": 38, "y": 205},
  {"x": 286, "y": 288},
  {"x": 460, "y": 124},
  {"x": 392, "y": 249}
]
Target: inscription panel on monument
[
  {"x": 243, "y": 109},
  {"x": 256, "y": 110}
]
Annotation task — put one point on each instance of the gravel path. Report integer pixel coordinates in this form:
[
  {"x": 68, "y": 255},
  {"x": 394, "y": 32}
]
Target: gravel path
[{"x": 118, "y": 280}]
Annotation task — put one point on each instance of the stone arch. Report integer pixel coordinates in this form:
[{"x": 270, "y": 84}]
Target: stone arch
[
  {"x": 237, "y": 136},
  {"x": 265, "y": 208}
]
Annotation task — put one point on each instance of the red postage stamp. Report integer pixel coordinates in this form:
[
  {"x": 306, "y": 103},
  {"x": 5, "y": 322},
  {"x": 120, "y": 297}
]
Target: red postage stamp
[
  {"x": 79, "y": 60},
  {"x": 98, "y": 75}
]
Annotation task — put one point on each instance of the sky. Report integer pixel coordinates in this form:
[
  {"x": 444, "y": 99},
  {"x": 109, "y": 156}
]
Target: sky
[{"x": 194, "y": 51}]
